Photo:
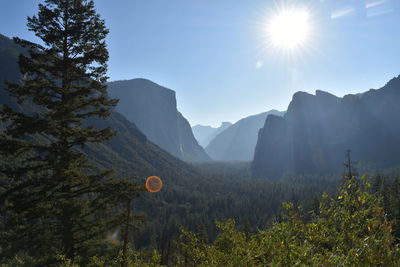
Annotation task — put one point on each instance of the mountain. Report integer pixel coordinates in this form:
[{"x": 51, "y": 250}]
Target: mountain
[
  {"x": 153, "y": 109},
  {"x": 237, "y": 142},
  {"x": 316, "y": 131},
  {"x": 9, "y": 52},
  {"x": 204, "y": 134},
  {"x": 129, "y": 153}
]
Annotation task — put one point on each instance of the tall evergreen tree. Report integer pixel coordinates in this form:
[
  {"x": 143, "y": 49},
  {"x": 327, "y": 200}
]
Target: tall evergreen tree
[{"x": 54, "y": 201}]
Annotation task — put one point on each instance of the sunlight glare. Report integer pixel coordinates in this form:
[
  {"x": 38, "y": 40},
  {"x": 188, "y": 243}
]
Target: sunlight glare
[{"x": 289, "y": 28}]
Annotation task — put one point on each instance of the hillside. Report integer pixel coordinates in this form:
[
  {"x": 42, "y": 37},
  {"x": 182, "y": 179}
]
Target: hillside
[{"x": 130, "y": 153}]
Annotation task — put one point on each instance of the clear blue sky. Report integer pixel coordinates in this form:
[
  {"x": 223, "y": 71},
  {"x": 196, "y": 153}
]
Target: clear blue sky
[{"x": 207, "y": 50}]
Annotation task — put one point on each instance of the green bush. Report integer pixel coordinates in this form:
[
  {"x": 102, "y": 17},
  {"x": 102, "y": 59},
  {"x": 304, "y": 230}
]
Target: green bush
[{"x": 350, "y": 229}]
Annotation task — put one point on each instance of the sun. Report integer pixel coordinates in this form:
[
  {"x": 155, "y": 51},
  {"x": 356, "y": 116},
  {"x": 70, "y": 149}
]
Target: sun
[{"x": 289, "y": 29}]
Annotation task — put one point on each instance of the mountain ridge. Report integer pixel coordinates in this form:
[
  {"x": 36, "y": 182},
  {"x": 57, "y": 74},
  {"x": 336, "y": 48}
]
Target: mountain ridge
[{"x": 317, "y": 130}]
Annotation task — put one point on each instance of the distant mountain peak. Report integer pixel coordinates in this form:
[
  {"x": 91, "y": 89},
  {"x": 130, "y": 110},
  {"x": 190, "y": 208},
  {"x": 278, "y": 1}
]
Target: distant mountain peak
[
  {"x": 204, "y": 133},
  {"x": 301, "y": 95},
  {"x": 394, "y": 82},
  {"x": 320, "y": 93},
  {"x": 142, "y": 82},
  {"x": 225, "y": 124}
]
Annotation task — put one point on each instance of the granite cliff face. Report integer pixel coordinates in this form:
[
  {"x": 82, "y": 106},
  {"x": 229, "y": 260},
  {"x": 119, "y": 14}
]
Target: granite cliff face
[
  {"x": 189, "y": 148},
  {"x": 237, "y": 142},
  {"x": 205, "y": 134},
  {"x": 153, "y": 110},
  {"x": 316, "y": 131}
]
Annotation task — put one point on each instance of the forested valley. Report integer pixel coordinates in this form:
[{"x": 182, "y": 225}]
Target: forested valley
[{"x": 74, "y": 172}]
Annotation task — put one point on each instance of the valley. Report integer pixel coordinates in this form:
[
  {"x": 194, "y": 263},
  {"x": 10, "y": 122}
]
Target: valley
[{"x": 316, "y": 183}]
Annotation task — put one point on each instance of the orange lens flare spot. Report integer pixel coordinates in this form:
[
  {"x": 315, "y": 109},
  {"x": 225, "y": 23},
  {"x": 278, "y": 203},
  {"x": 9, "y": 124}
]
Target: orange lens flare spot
[{"x": 153, "y": 184}]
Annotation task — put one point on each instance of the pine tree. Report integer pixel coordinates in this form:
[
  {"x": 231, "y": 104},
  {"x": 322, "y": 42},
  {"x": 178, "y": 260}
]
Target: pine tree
[
  {"x": 351, "y": 172},
  {"x": 55, "y": 202}
]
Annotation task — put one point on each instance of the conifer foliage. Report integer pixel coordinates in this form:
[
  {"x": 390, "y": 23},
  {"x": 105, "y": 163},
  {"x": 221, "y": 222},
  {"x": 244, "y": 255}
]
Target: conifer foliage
[{"x": 53, "y": 198}]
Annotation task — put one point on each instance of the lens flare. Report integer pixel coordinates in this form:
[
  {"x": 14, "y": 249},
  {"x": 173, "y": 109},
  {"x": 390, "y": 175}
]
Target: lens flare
[{"x": 153, "y": 184}]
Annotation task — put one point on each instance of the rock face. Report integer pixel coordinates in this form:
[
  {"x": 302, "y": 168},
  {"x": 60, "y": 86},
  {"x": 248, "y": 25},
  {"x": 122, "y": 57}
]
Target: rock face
[
  {"x": 152, "y": 108},
  {"x": 237, "y": 142},
  {"x": 316, "y": 131},
  {"x": 204, "y": 134},
  {"x": 188, "y": 147}
]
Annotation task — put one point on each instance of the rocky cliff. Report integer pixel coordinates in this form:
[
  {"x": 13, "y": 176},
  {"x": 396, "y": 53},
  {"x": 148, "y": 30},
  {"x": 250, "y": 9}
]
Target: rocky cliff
[
  {"x": 153, "y": 110},
  {"x": 316, "y": 131}
]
